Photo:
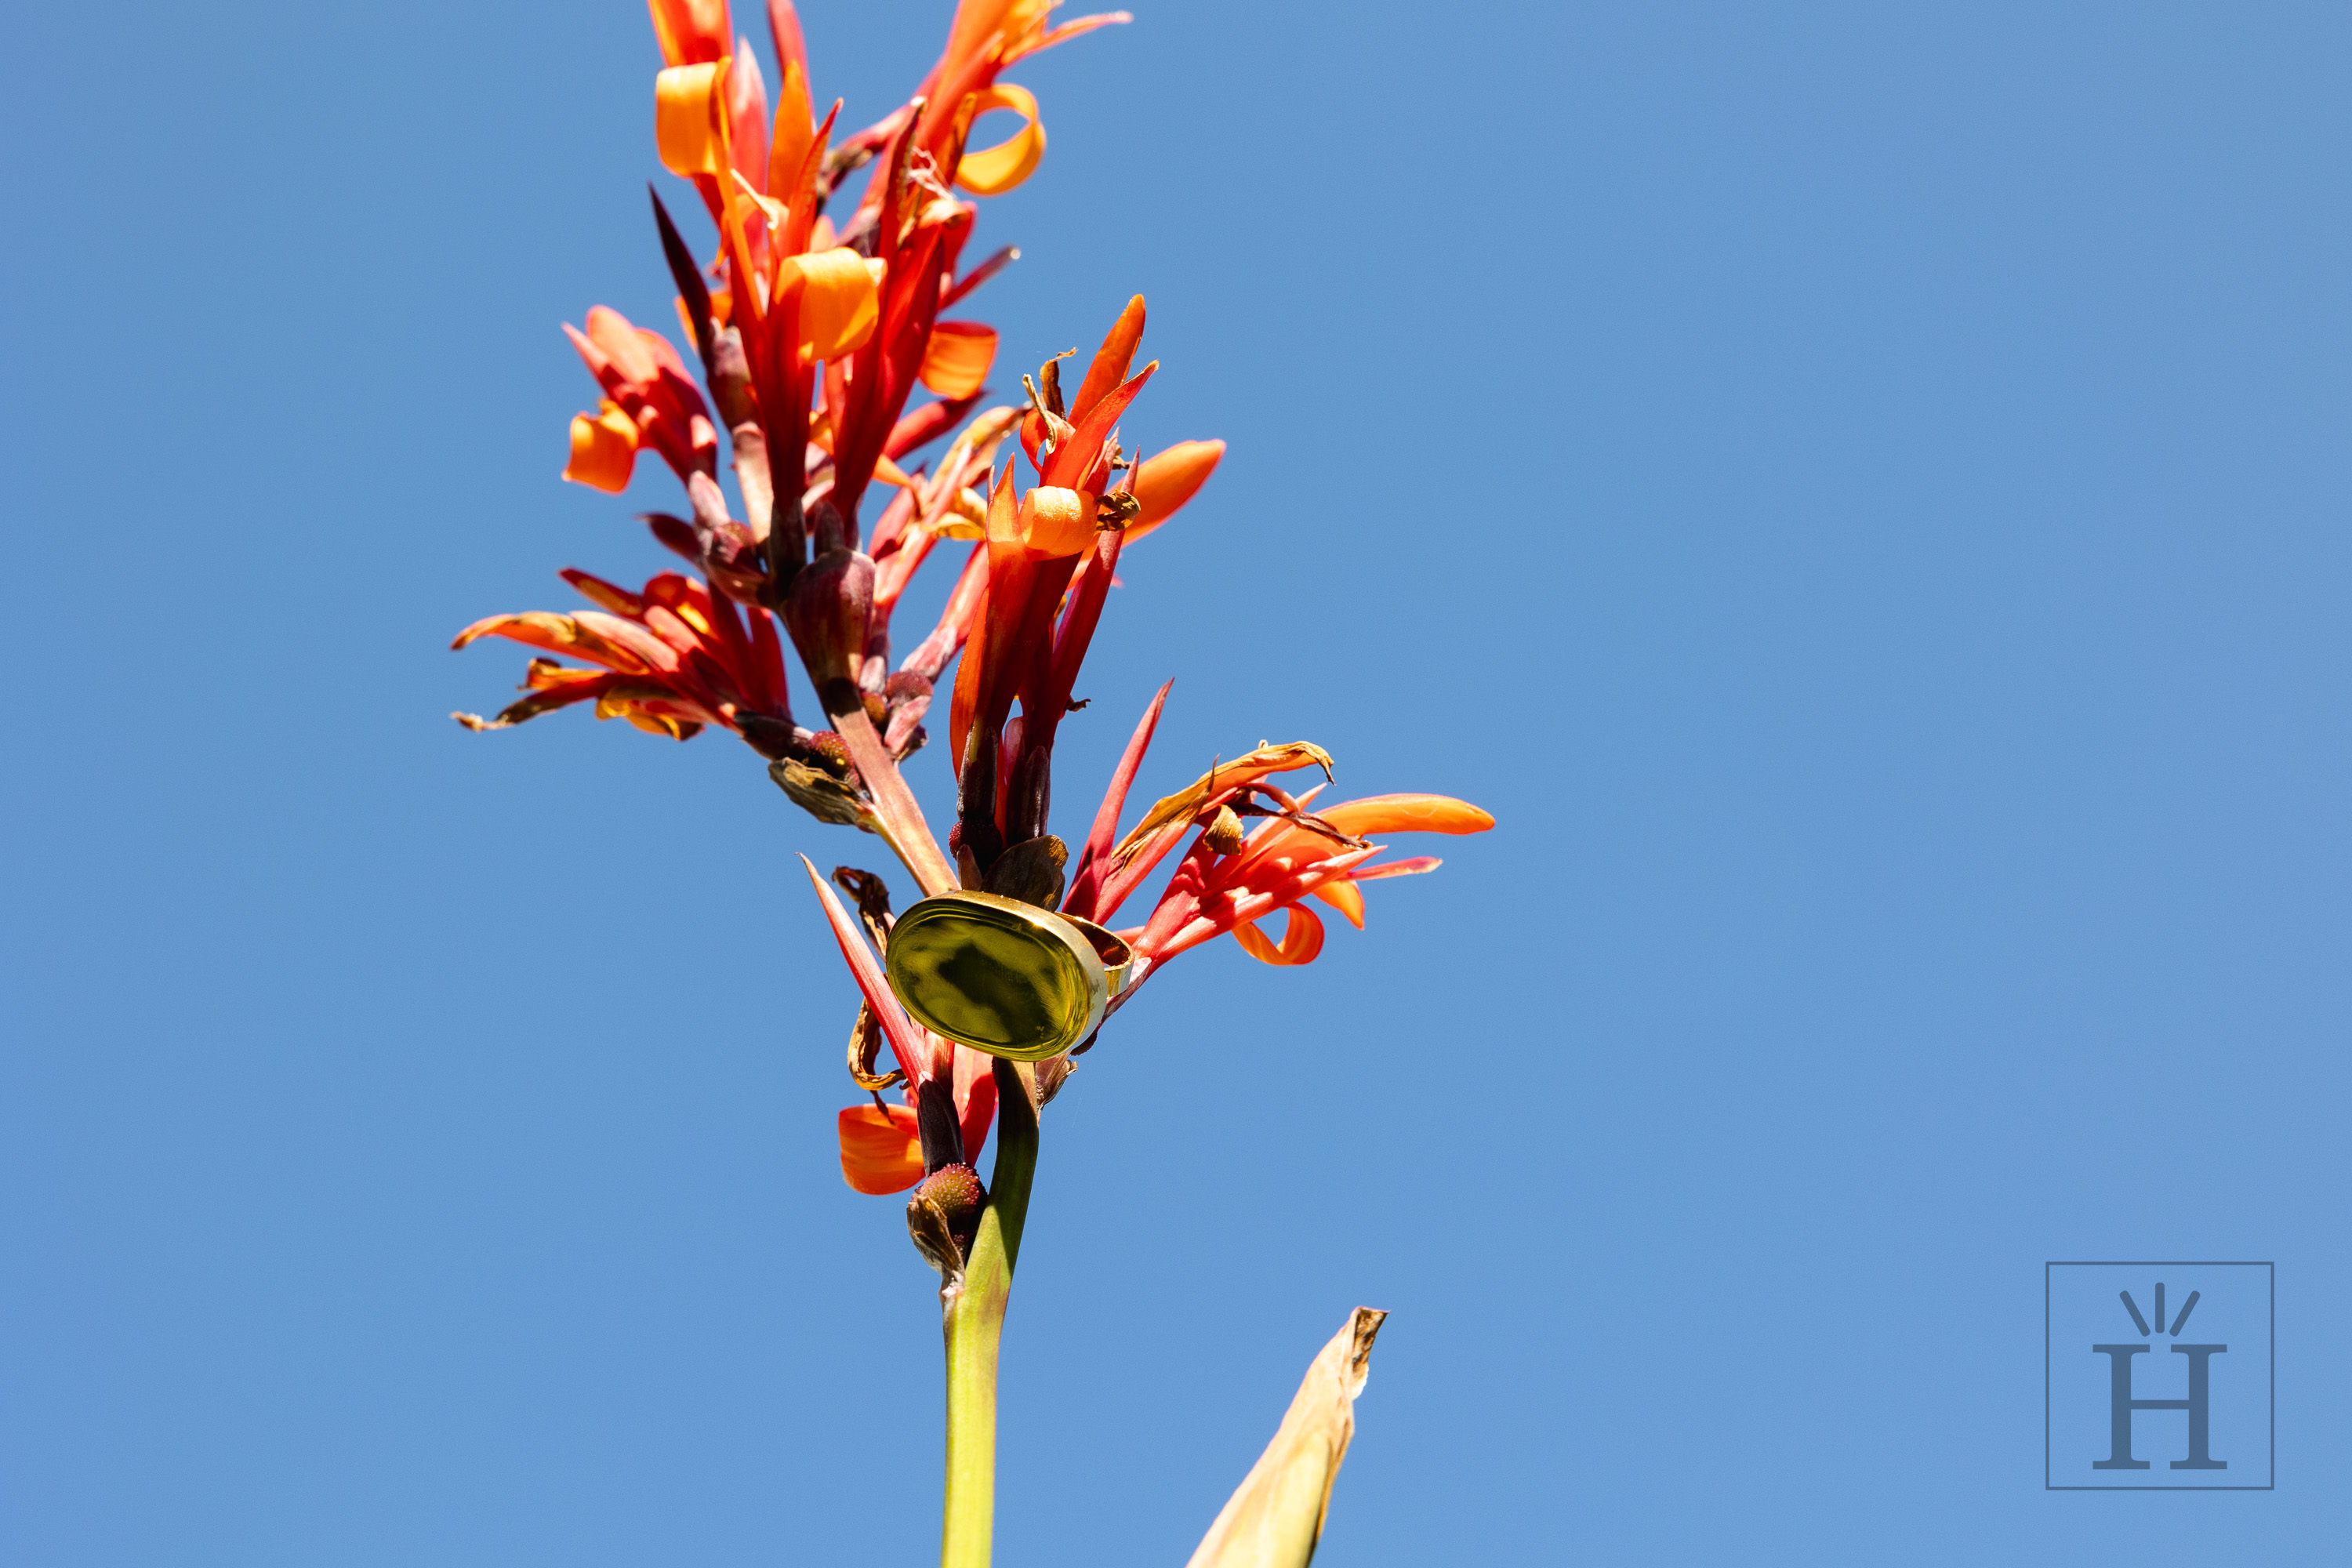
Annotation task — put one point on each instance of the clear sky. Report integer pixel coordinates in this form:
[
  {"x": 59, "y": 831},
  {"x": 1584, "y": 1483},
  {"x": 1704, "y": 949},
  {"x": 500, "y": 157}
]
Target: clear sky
[{"x": 1858, "y": 490}]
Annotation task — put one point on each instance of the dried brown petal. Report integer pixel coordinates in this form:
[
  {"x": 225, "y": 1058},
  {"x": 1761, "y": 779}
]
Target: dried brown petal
[
  {"x": 873, "y": 897},
  {"x": 865, "y": 1049},
  {"x": 1031, "y": 871},
  {"x": 927, "y": 1223}
]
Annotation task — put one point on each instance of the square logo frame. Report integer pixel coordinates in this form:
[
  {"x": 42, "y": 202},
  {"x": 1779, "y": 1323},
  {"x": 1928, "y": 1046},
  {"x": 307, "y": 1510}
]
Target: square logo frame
[{"x": 2123, "y": 1360}]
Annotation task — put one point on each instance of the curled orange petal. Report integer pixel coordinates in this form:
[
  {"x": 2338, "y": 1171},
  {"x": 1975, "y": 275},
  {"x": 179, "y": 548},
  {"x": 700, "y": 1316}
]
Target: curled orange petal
[
  {"x": 1166, "y": 480},
  {"x": 880, "y": 1153},
  {"x": 690, "y": 119},
  {"x": 604, "y": 449},
  {"x": 957, "y": 359},
  {"x": 1302, "y": 940},
  {"x": 1056, "y": 522},
  {"x": 839, "y": 303},
  {"x": 1406, "y": 814},
  {"x": 992, "y": 171}
]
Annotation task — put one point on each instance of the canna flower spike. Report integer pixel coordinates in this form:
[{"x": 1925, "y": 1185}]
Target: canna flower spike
[{"x": 822, "y": 360}]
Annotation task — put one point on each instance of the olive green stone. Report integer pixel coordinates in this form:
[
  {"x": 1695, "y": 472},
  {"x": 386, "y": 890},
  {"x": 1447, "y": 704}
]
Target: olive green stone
[{"x": 995, "y": 974}]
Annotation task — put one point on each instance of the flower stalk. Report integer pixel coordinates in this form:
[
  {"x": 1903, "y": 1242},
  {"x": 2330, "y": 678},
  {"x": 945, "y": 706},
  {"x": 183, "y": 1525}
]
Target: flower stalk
[{"x": 973, "y": 1309}]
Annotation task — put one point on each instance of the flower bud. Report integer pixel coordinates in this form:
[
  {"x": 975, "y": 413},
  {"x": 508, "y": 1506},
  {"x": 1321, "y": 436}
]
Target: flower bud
[
  {"x": 826, "y": 610},
  {"x": 957, "y": 1190},
  {"x": 943, "y": 1216},
  {"x": 830, "y": 752}
]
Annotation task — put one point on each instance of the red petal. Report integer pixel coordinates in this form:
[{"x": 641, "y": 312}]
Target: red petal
[
  {"x": 1095, "y": 861},
  {"x": 907, "y": 1043},
  {"x": 1111, "y": 360}
]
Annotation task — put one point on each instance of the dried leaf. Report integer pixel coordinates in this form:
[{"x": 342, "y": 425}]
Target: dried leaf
[
  {"x": 927, "y": 1223},
  {"x": 1031, "y": 871},
  {"x": 821, "y": 795},
  {"x": 866, "y": 1048},
  {"x": 1051, "y": 1074},
  {"x": 1181, "y": 806},
  {"x": 873, "y": 898},
  {"x": 1277, "y": 1517}
]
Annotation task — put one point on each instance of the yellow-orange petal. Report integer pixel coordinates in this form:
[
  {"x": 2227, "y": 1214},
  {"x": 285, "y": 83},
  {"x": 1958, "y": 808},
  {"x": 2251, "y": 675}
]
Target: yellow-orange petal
[
  {"x": 604, "y": 449},
  {"x": 788, "y": 142},
  {"x": 1056, "y": 522},
  {"x": 992, "y": 171},
  {"x": 1166, "y": 480},
  {"x": 1302, "y": 940},
  {"x": 838, "y": 301},
  {"x": 957, "y": 359},
  {"x": 690, "y": 119},
  {"x": 880, "y": 1153},
  {"x": 653, "y": 720},
  {"x": 1346, "y": 899},
  {"x": 1406, "y": 814}
]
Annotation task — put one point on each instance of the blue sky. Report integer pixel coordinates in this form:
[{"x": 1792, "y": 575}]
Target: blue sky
[{"x": 1856, "y": 489}]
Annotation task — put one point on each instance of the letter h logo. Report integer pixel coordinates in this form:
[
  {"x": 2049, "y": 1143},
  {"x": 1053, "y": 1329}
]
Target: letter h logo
[
  {"x": 2239, "y": 1305},
  {"x": 2121, "y": 1404}
]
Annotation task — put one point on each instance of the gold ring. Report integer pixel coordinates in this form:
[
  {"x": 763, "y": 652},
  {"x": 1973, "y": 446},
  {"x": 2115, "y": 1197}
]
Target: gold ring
[{"x": 1003, "y": 976}]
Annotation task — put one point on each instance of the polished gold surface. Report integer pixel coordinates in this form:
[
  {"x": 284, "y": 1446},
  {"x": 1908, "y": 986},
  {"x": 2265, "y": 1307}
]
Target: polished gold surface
[
  {"x": 1003, "y": 976},
  {"x": 1117, "y": 958}
]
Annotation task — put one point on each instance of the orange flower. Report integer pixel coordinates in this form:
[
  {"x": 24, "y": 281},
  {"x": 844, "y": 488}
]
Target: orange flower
[
  {"x": 1295, "y": 854},
  {"x": 1051, "y": 558},
  {"x": 812, "y": 343},
  {"x": 988, "y": 36},
  {"x": 645, "y": 383},
  {"x": 669, "y": 660},
  {"x": 1223, "y": 886}
]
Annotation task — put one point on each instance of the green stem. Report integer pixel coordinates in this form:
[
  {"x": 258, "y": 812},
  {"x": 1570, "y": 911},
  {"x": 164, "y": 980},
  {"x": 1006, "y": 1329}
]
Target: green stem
[{"x": 975, "y": 1323}]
